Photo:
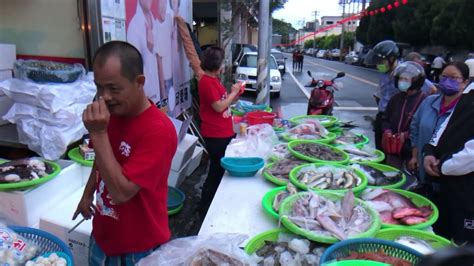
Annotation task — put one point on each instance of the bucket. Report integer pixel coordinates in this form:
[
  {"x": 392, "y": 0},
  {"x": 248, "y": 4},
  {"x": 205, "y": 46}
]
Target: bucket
[{"x": 260, "y": 117}]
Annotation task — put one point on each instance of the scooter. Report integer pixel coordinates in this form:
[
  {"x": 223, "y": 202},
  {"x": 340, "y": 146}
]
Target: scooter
[{"x": 321, "y": 100}]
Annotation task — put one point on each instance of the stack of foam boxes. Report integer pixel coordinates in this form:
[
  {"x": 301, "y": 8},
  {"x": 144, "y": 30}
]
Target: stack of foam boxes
[
  {"x": 185, "y": 161},
  {"x": 7, "y": 59}
]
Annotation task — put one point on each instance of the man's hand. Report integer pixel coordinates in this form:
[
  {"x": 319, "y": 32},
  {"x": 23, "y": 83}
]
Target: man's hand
[
  {"x": 431, "y": 165},
  {"x": 85, "y": 207},
  {"x": 96, "y": 117},
  {"x": 413, "y": 164},
  {"x": 235, "y": 89}
]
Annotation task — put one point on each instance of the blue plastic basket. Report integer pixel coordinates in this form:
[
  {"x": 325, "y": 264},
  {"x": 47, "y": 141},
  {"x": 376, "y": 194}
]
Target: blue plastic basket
[
  {"x": 342, "y": 249},
  {"x": 45, "y": 241},
  {"x": 175, "y": 198},
  {"x": 242, "y": 166}
]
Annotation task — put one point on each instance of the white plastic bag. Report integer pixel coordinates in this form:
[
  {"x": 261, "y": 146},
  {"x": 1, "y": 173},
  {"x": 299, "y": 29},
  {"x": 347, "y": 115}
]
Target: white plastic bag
[
  {"x": 50, "y": 96},
  {"x": 258, "y": 142},
  {"x": 217, "y": 249}
]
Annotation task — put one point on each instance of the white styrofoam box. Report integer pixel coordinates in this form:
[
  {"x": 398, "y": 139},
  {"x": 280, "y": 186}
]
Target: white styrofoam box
[
  {"x": 5, "y": 105},
  {"x": 7, "y": 56},
  {"x": 184, "y": 152},
  {"x": 6, "y": 74},
  {"x": 175, "y": 178},
  {"x": 24, "y": 207},
  {"x": 195, "y": 160},
  {"x": 58, "y": 221}
]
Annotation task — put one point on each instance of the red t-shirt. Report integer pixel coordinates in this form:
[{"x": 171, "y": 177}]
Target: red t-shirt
[
  {"x": 144, "y": 147},
  {"x": 213, "y": 124}
]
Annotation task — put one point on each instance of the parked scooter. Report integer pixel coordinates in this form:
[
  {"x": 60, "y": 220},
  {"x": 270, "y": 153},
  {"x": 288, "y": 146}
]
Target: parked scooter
[{"x": 321, "y": 100}]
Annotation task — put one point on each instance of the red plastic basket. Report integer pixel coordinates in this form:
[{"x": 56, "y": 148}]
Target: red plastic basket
[{"x": 260, "y": 117}]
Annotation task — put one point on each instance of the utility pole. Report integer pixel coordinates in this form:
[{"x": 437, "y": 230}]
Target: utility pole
[
  {"x": 264, "y": 40},
  {"x": 343, "y": 28},
  {"x": 314, "y": 36}
]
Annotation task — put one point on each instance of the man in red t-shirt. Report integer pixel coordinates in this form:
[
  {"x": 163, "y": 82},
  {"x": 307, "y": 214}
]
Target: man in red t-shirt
[{"x": 134, "y": 143}]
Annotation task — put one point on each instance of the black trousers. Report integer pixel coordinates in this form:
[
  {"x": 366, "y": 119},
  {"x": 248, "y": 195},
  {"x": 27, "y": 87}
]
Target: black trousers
[
  {"x": 436, "y": 73},
  {"x": 378, "y": 131},
  {"x": 216, "y": 149}
]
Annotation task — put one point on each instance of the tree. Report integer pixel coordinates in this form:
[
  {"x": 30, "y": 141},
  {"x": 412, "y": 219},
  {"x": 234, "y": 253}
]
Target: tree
[{"x": 283, "y": 28}]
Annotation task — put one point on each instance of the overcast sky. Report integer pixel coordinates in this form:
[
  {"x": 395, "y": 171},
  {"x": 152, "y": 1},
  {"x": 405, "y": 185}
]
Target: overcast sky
[{"x": 295, "y": 11}]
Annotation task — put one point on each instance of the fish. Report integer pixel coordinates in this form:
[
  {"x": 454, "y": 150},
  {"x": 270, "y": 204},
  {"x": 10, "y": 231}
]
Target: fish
[
  {"x": 417, "y": 244},
  {"x": 411, "y": 220},
  {"x": 280, "y": 196},
  {"x": 387, "y": 218},
  {"x": 400, "y": 213},
  {"x": 330, "y": 226},
  {"x": 380, "y": 206},
  {"x": 307, "y": 224},
  {"x": 426, "y": 211},
  {"x": 376, "y": 177},
  {"x": 347, "y": 204},
  {"x": 372, "y": 193}
]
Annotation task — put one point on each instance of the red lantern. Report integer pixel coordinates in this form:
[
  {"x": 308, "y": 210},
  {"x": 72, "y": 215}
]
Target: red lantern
[
  {"x": 396, "y": 4},
  {"x": 371, "y": 13},
  {"x": 382, "y": 10},
  {"x": 404, "y": 2},
  {"x": 389, "y": 7}
]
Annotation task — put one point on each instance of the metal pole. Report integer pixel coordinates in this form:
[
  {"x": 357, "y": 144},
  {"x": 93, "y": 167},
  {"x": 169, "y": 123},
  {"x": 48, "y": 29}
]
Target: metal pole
[
  {"x": 314, "y": 36},
  {"x": 263, "y": 77},
  {"x": 342, "y": 31}
]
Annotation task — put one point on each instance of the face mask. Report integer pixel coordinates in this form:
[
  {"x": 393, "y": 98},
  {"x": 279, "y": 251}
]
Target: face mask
[
  {"x": 404, "y": 85},
  {"x": 449, "y": 87},
  {"x": 382, "y": 68}
]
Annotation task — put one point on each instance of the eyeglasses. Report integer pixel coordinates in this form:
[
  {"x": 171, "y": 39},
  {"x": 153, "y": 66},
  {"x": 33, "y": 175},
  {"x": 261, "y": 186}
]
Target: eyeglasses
[{"x": 451, "y": 77}]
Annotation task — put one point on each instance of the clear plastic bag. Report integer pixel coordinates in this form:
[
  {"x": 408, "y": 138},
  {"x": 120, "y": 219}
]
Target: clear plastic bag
[
  {"x": 258, "y": 142},
  {"x": 14, "y": 249},
  {"x": 217, "y": 249}
]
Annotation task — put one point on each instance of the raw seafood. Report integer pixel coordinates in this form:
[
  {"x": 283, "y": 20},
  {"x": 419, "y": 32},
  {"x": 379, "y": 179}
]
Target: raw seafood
[
  {"x": 282, "y": 195},
  {"x": 290, "y": 250},
  {"x": 318, "y": 151},
  {"x": 379, "y": 256},
  {"x": 348, "y": 138},
  {"x": 307, "y": 131},
  {"x": 379, "y": 178},
  {"x": 53, "y": 260},
  {"x": 280, "y": 151},
  {"x": 328, "y": 177},
  {"x": 395, "y": 208},
  {"x": 281, "y": 169},
  {"x": 417, "y": 244},
  {"x": 23, "y": 170},
  {"x": 357, "y": 155},
  {"x": 322, "y": 216}
]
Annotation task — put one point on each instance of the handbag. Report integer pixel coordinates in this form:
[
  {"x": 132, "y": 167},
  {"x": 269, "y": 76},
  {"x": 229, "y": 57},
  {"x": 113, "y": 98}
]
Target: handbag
[{"x": 392, "y": 143}]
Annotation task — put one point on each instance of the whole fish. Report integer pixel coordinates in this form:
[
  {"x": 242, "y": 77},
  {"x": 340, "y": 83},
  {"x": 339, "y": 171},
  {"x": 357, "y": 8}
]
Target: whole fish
[
  {"x": 331, "y": 226},
  {"x": 411, "y": 220},
  {"x": 417, "y": 244},
  {"x": 400, "y": 213}
]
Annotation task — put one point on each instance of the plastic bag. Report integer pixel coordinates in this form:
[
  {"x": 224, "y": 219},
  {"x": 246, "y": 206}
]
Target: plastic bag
[
  {"x": 309, "y": 130},
  {"x": 217, "y": 249},
  {"x": 14, "y": 249},
  {"x": 50, "y": 96},
  {"x": 258, "y": 142}
]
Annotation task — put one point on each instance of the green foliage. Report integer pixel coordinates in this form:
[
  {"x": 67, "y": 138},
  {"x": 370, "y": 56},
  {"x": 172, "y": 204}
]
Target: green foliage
[
  {"x": 283, "y": 28},
  {"x": 421, "y": 22},
  {"x": 332, "y": 41}
]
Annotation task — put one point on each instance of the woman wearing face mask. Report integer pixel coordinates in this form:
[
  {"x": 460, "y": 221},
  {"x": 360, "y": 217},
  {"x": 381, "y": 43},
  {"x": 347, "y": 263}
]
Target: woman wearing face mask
[
  {"x": 430, "y": 115},
  {"x": 449, "y": 159},
  {"x": 409, "y": 77},
  {"x": 385, "y": 57},
  {"x": 216, "y": 120}
]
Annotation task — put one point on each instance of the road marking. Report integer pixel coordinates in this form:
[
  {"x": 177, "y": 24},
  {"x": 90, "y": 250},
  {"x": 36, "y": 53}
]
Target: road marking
[
  {"x": 350, "y": 75},
  {"x": 303, "y": 90},
  {"x": 341, "y": 108}
]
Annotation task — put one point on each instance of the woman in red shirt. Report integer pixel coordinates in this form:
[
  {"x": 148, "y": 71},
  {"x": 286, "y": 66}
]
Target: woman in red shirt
[{"x": 216, "y": 119}]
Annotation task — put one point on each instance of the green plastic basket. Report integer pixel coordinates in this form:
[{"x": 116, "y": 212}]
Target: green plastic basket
[
  {"x": 288, "y": 203},
  {"x": 436, "y": 241},
  {"x": 267, "y": 202},
  {"x": 76, "y": 156},
  {"x": 272, "y": 178},
  {"x": 175, "y": 210},
  {"x": 356, "y": 263},
  {"x": 419, "y": 201},
  {"x": 385, "y": 168},
  {"x": 298, "y": 184},
  {"x": 293, "y": 143},
  {"x": 324, "y": 120},
  {"x": 330, "y": 137},
  {"x": 31, "y": 183},
  {"x": 258, "y": 241}
]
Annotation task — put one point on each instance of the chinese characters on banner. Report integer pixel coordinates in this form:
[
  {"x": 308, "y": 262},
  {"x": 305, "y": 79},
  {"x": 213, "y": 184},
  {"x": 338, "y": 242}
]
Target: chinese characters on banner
[{"x": 151, "y": 28}]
